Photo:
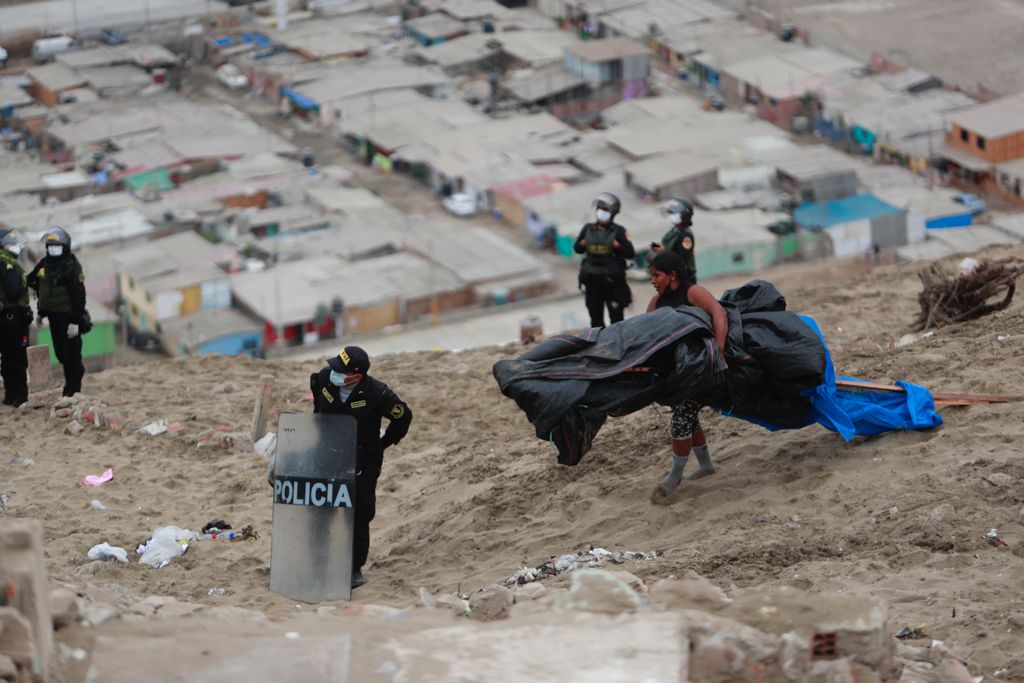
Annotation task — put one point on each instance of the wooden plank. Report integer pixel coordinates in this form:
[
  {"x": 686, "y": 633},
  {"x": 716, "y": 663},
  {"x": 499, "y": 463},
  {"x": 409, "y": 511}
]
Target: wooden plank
[{"x": 941, "y": 398}]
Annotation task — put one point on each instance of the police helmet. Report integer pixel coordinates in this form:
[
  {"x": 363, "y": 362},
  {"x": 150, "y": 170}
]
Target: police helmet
[
  {"x": 680, "y": 206},
  {"x": 57, "y": 236},
  {"x": 10, "y": 237},
  {"x": 608, "y": 202}
]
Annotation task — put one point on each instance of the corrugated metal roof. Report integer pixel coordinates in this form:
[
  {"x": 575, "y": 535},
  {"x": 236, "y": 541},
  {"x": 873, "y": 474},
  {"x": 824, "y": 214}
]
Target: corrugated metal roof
[
  {"x": 993, "y": 119},
  {"x": 607, "y": 49},
  {"x": 837, "y": 211}
]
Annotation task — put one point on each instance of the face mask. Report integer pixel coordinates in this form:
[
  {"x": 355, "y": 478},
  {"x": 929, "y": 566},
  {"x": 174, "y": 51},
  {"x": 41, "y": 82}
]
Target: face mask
[
  {"x": 340, "y": 379},
  {"x": 603, "y": 216},
  {"x": 55, "y": 250},
  {"x": 675, "y": 218}
]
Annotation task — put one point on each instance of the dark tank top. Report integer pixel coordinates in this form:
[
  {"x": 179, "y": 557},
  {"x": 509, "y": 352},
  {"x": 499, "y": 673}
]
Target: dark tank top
[{"x": 675, "y": 297}]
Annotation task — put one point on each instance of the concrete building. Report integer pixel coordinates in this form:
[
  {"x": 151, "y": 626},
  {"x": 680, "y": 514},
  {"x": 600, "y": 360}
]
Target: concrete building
[
  {"x": 671, "y": 175},
  {"x": 434, "y": 29},
  {"x": 854, "y": 225},
  {"x": 982, "y": 136},
  {"x": 223, "y": 331}
]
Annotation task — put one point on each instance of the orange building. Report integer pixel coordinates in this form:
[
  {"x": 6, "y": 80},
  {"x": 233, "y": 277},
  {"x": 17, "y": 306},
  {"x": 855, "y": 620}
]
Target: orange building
[{"x": 993, "y": 131}]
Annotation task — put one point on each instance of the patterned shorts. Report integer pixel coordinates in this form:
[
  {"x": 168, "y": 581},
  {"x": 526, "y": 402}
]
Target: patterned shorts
[{"x": 684, "y": 420}]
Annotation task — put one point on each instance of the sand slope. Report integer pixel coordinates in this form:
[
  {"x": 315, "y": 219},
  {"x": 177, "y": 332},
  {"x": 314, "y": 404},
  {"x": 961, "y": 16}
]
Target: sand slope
[{"x": 471, "y": 494}]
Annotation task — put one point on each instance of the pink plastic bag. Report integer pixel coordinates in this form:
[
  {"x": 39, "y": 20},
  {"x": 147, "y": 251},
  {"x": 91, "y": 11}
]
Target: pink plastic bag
[{"x": 98, "y": 479}]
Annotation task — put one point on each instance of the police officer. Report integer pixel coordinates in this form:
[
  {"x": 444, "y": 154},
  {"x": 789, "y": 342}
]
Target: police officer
[
  {"x": 15, "y": 317},
  {"x": 679, "y": 239},
  {"x": 606, "y": 246},
  {"x": 344, "y": 388},
  {"x": 59, "y": 284}
]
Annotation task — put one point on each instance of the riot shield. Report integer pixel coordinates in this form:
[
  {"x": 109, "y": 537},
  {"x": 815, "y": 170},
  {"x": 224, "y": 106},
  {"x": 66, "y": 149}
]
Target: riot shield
[{"x": 314, "y": 494}]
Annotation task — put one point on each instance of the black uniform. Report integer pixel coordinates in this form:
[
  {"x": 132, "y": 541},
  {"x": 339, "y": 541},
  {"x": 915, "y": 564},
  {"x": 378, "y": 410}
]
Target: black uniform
[
  {"x": 603, "y": 271},
  {"x": 15, "y": 317},
  {"x": 679, "y": 240},
  {"x": 60, "y": 287},
  {"x": 370, "y": 401}
]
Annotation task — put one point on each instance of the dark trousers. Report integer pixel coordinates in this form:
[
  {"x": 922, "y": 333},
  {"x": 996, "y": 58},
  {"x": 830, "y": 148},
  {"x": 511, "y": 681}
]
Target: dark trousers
[
  {"x": 367, "y": 473},
  {"x": 14, "y": 357},
  {"x": 598, "y": 295},
  {"x": 68, "y": 352}
]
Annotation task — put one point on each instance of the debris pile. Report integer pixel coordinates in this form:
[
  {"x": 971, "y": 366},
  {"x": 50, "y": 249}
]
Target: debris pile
[{"x": 948, "y": 299}]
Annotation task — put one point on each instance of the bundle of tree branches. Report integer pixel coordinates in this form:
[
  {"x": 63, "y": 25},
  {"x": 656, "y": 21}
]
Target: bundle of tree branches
[{"x": 949, "y": 298}]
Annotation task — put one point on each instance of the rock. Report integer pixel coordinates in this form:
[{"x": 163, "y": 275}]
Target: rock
[
  {"x": 596, "y": 590},
  {"x": 8, "y": 671},
  {"x": 97, "y": 613},
  {"x": 696, "y": 593},
  {"x": 530, "y": 591},
  {"x": 632, "y": 581},
  {"x": 940, "y": 514},
  {"x": 426, "y": 599},
  {"x": 491, "y": 604},
  {"x": 224, "y": 388},
  {"x": 999, "y": 479},
  {"x": 96, "y": 416},
  {"x": 175, "y": 609},
  {"x": 63, "y": 607},
  {"x": 893, "y": 511},
  {"x": 64, "y": 402},
  {"x": 74, "y": 428},
  {"x": 453, "y": 602},
  {"x": 234, "y": 615},
  {"x": 16, "y": 637}
]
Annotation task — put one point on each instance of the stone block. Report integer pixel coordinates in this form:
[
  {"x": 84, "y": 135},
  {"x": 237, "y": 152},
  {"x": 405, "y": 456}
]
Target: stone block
[
  {"x": 491, "y": 604},
  {"x": 40, "y": 371},
  {"x": 596, "y": 590},
  {"x": 22, "y": 564},
  {"x": 63, "y": 607}
]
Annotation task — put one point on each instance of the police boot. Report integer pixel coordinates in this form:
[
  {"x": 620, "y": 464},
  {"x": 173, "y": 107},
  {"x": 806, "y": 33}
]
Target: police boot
[{"x": 357, "y": 578}]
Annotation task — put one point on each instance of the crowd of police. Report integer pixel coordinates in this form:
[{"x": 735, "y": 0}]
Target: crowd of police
[{"x": 59, "y": 285}]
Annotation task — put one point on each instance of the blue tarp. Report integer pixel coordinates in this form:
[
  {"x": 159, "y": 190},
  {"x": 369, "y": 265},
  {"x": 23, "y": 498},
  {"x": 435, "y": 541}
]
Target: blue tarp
[
  {"x": 838, "y": 211},
  {"x": 855, "y": 413},
  {"x": 963, "y": 220},
  {"x": 300, "y": 100}
]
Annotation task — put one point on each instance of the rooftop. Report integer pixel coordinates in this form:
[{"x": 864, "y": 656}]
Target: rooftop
[
  {"x": 436, "y": 25},
  {"x": 838, "y": 211},
  {"x": 658, "y": 171},
  {"x": 993, "y": 119},
  {"x": 203, "y": 326},
  {"x": 56, "y": 76},
  {"x": 607, "y": 49},
  {"x": 668, "y": 16}
]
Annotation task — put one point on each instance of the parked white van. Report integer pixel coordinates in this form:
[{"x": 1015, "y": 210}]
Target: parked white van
[{"x": 44, "y": 49}]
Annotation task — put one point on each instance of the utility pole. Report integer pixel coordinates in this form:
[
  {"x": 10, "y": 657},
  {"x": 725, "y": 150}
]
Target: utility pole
[{"x": 282, "y": 15}]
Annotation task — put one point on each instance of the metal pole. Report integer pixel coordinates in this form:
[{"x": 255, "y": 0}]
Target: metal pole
[{"x": 147, "y": 16}]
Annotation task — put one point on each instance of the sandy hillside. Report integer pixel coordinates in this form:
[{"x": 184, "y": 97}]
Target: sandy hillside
[{"x": 470, "y": 495}]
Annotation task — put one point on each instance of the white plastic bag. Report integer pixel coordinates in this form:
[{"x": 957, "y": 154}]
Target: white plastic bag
[
  {"x": 167, "y": 543},
  {"x": 105, "y": 551}
]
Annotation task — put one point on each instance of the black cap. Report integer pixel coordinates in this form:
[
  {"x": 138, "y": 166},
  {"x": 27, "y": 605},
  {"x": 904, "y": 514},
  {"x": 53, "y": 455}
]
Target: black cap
[{"x": 350, "y": 360}]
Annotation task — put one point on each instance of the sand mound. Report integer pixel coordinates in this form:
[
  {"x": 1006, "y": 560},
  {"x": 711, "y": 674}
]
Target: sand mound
[{"x": 471, "y": 495}]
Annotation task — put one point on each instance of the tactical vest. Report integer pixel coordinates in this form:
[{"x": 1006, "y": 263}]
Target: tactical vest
[
  {"x": 673, "y": 243},
  {"x": 54, "y": 295},
  {"x": 9, "y": 260},
  {"x": 599, "y": 249}
]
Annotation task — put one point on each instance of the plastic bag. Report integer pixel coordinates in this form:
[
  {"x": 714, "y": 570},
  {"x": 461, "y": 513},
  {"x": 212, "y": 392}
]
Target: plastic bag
[
  {"x": 167, "y": 543},
  {"x": 105, "y": 551}
]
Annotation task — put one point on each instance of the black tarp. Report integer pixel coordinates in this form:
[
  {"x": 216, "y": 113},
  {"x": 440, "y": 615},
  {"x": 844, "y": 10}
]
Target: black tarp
[{"x": 569, "y": 385}]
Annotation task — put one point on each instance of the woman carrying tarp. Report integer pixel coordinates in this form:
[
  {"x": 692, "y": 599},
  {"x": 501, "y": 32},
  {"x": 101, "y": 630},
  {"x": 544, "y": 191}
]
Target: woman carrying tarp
[{"x": 669, "y": 277}]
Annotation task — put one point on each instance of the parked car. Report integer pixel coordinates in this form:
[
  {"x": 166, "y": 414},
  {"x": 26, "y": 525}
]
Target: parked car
[
  {"x": 231, "y": 77},
  {"x": 972, "y": 202},
  {"x": 460, "y": 204},
  {"x": 3, "y": 58},
  {"x": 113, "y": 36},
  {"x": 45, "y": 49}
]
